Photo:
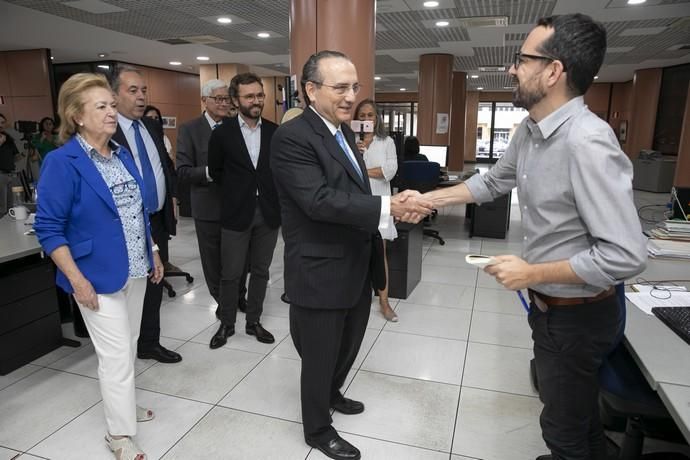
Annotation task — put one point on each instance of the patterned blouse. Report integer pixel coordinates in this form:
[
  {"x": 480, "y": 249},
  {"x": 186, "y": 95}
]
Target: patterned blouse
[{"x": 125, "y": 192}]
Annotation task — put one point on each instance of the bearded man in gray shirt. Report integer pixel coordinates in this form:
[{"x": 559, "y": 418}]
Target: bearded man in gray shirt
[{"x": 581, "y": 232}]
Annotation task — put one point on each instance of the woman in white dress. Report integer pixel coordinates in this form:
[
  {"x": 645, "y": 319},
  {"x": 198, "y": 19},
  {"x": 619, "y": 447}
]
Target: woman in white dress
[{"x": 382, "y": 164}]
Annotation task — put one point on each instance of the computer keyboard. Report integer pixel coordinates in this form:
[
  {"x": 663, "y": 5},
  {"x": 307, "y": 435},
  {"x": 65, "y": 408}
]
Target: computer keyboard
[{"x": 677, "y": 318}]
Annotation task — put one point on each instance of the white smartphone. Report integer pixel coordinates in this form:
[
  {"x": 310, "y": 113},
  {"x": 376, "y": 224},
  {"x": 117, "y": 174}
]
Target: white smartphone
[
  {"x": 360, "y": 126},
  {"x": 479, "y": 261}
]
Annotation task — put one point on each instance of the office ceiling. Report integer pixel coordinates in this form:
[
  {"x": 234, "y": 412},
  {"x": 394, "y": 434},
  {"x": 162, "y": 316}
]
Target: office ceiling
[{"x": 154, "y": 32}]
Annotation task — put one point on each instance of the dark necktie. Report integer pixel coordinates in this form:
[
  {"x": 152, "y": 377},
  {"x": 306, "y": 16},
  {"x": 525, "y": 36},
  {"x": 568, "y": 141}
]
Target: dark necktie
[
  {"x": 341, "y": 141},
  {"x": 150, "y": 191}
]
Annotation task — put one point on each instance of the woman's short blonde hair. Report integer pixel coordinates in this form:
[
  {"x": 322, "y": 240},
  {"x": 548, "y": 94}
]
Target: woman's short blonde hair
[
  {"x": 71, "y": 100},
  {"x": 291, "y": 113}
]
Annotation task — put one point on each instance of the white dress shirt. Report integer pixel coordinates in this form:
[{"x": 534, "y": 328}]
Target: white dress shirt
[
  {"x": 252, "y": 138},
  {"x": 384, "y": 219},
  {"x": 152, "y": 151}
]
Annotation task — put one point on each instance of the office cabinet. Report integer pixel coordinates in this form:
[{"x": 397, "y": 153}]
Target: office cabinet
[
  {"x": 491, "y": 219},
  {"x": 653, "y": 174},
  {"x": 29, "y": 315},
  {"x": 405, "y": 260}
]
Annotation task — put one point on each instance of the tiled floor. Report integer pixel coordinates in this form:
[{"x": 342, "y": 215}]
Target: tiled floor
[{"x": 449, "y": 381}]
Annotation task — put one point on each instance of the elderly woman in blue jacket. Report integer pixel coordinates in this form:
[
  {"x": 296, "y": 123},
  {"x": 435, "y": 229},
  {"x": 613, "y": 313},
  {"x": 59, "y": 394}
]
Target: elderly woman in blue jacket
[{"x": 92, "y": 222}]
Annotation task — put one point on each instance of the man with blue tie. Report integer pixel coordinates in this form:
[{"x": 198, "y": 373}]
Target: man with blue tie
[
  {"x": 144, "y": 139},
  {"x": 332, "y": 253}
]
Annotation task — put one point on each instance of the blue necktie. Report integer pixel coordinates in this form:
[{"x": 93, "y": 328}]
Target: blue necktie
[
  {"x": 343, "y": 145},
  {"x": 150, "y": 191}
]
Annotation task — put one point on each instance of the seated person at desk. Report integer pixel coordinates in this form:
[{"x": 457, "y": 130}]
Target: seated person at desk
[{"x": 411, "y": 150}]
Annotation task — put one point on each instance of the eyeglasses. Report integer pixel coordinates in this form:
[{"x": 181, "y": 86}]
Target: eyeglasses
[
  {"x": 341, "y": 90},
  {"x": 220, "y": 99},
  {"x": 119, "y": 189},
  {"x": 250, "y": 97},
  {"x": 519, "y": 58}
]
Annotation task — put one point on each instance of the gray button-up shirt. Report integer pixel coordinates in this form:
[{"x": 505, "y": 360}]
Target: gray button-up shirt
[{"x": 575, "y": 189}]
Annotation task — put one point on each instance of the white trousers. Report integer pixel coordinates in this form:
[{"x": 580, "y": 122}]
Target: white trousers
[{"x": 114, "y": 330}]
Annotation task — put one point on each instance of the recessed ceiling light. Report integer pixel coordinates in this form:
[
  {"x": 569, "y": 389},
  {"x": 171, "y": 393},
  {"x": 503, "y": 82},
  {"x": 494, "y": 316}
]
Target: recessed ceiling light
[
  {"x": 202, "y": 58},
  {"x": 596, "y": 77},
  {"x": 52, "y": 58},
  {"x": 474, "y": 76},
  {"x": 635, "y": 2},
  {"x": 263, "y": 35},
  {"x": 480, "y": 88},
  {"x": 442, "y": 23},
  {"x": 103, "y": 66},
  {"x": 102, "y": 55},
  {"x": 430, "y": 4},
  {"x": 377, "y": 78},
  {"x": 403, "y": 89},
  {"x": 224, "y": 20},
  {"x": 175, "y": 63}
]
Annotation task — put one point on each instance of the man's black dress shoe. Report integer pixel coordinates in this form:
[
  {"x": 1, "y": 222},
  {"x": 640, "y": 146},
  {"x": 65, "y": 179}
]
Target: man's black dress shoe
[
  {"x": 160, "y": 354},
  {"x": 545, "y": 457},
  {"x": 262, "y": 335},
  {"x": 348, "y": 406},
  {"x": 337, "y": 448},
  {"x": 220, "y": 338},
  {"x": 242, "y": 304}
]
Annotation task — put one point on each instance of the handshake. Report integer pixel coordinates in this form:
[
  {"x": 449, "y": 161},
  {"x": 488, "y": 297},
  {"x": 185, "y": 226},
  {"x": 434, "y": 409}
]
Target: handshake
[{"x": 410, "y": 206}]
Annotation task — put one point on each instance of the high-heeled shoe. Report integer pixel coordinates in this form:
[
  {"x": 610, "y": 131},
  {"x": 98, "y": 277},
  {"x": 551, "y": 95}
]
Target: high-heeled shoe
[{"x": 389, "y": 314}]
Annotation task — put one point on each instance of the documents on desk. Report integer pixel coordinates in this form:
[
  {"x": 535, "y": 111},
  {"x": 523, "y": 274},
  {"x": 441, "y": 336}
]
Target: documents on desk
[
  {"x": 668, "y": 248},
  {"x": 649, "y": 297}
]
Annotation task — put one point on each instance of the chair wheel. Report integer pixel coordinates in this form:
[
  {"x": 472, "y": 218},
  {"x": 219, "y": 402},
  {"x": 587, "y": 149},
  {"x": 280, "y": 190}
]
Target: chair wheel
[
  {"x": 171, "y": 293},
  {"x": 189, "y": 278},
  {"x": 441, "y": 242}
]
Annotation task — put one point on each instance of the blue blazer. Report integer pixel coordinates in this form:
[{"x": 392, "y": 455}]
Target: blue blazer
[{"x": 76, "y": 208}]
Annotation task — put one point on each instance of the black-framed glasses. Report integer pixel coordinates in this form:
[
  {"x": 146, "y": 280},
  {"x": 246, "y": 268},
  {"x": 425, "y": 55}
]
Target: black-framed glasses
[
  {"x": 220, "y": 99},
  {"x": 122, "y": 187},
  {"x": 343, "y": 89},
  {"x": 520, "y": 56}
]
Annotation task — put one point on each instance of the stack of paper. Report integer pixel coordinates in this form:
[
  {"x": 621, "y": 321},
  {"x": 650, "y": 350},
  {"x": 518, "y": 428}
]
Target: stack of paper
[{"x": 668, "y": 248}]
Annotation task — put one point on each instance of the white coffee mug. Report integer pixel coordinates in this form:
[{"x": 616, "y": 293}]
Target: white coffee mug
[{"x": 18, "y": 213}]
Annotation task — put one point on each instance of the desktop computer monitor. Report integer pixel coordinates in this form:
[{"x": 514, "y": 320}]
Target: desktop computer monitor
[{"x": 436, "y": 153}]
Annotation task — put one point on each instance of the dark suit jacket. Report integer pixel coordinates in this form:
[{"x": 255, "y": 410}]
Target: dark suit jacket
[
  {"x": 230, "y": 165},
  {"x": 156, "y": 131},
  {"x": 329, "y": 214},
  {"x": 192, "y": 159}
]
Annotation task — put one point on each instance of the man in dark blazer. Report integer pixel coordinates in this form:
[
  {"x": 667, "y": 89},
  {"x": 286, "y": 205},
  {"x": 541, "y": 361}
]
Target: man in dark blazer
[
  {"x": 144, "y": 138},
  {"x": 239, "y": 160},
  {"x": 192, "y": 169},
  {"x": 330, "y": 222}
]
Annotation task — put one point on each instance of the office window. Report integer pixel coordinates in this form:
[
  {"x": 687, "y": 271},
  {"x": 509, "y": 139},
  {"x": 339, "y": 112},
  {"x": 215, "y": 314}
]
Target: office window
[{"x": 500, "y": 120}]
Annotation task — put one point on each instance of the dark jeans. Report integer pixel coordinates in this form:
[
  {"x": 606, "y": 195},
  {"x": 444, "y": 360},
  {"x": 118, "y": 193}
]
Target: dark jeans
[
  {"x": 254, "y": 245},
  {"x": 570, "y": 344}
]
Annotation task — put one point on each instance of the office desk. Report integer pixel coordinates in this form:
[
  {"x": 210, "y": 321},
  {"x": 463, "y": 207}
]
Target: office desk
[
  {"x": 663, "y": 357},
  {"x": 676, "y": 398},
  {"x": 29, "y": 313},
  {"x": 13, "y": 243}
]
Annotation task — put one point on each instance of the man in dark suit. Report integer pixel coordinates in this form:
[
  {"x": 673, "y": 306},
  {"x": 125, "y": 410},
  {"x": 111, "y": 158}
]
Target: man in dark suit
[
  {"x": 192, "y": 168},
  {"x": 144, "y": 138},
  {"x": 330, "y": 220},
  {"x": 239, "y": 160}
]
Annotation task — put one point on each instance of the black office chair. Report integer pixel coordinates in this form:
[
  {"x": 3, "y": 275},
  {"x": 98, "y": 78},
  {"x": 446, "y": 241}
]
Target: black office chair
[
  {"x": 171, "y": 270},
  {"x": 423, "y": 176}
]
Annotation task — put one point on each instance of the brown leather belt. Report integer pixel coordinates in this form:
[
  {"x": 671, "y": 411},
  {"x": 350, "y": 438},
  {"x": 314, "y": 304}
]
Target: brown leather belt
[{"x": 564, "y": 301}]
